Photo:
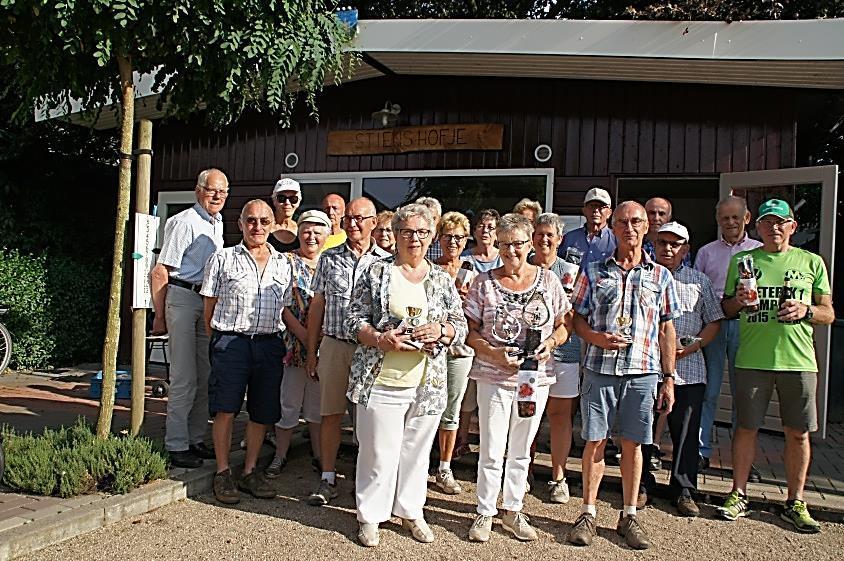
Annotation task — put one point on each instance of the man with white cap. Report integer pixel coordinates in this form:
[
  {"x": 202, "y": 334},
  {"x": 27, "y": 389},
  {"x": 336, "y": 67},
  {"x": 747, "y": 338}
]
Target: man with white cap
[
  {"x": 287, "y": 196},
  {"x": 300, "y": 395},
  {"x": 696, "y": 327},
  {"x": 776, "y": 350},
  {"x": 594, "y": 240}
]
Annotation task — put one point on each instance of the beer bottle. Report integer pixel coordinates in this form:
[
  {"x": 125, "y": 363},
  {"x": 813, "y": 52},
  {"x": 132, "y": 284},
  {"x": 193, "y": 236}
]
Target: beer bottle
[
  {"x": 787, "y": 293},
  {"x": 747, "y": 278}
]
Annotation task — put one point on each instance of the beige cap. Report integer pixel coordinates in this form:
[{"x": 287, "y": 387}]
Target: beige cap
[
  {"x": 316, "y": 217},
  {"x": 597, "y": 194}
]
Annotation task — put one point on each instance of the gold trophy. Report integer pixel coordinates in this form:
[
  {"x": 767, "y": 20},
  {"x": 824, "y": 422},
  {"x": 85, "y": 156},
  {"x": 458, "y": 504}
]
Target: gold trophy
[
  {"x": 623, "y": 324},
  {"x": 411, "y": 322}
]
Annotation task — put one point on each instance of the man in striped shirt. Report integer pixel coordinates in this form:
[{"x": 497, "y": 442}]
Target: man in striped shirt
[
  {"x": 245, "y": 289},
  {"x": 624, "y": 307}
]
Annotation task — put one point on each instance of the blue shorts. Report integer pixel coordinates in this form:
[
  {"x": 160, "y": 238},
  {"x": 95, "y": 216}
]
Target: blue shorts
[
  {"x": 618, "y": 406},
  {"x": 240, "y": 367}
]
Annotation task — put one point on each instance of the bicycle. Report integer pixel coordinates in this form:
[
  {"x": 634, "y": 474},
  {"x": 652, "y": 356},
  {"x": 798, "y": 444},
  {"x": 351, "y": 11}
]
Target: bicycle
[{"x": 5, "y": 342}]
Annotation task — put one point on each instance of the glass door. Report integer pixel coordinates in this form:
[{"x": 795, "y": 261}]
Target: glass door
[{"x": 813, "y": 194}]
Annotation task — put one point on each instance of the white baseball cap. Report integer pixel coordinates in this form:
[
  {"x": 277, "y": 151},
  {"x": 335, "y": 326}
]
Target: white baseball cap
[
  {"x": 677, "y": 229},
  {"x": 597, "y": 194},
  {"x": 315, "y": 217},
  {"x": 287, "y": 184}
]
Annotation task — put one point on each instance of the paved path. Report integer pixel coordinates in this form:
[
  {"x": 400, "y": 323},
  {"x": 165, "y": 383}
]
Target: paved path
[{"x": 32, "y": 402}]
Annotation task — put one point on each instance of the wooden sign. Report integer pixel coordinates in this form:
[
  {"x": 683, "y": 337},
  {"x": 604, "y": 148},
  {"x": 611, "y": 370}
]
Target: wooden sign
[{"x": 415, "y": 139}]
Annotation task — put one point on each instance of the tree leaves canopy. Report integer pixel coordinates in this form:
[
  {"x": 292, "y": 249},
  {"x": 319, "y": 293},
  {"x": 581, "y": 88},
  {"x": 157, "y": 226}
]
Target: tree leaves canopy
[{"x": 222, "y": 55}]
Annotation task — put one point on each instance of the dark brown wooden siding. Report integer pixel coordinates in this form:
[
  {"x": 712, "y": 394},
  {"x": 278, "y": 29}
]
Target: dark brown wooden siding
[{"x": 597, "y": 130}]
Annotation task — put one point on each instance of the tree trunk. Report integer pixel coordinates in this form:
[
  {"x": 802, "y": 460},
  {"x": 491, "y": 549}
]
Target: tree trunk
[{"x": 112, "y": 334}]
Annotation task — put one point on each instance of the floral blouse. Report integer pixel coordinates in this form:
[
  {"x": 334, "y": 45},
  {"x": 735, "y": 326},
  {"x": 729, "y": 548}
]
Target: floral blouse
[
  {"x": 370, "y": 305},
  {"x": 302, "y": 294}
]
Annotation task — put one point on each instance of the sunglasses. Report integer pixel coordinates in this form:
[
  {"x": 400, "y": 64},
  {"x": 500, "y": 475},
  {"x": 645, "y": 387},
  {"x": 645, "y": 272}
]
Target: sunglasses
[
  {"x": 281, "y": 198},
  {"x": 254, "y": 221}
]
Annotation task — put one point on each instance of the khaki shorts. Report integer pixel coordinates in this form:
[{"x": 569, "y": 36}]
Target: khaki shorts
[
  {"x": 333, "y": 368},
  {"x": 797, "y": 396}
]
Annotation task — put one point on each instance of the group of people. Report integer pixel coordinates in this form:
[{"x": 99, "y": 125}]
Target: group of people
[{"x": 389, "y": 317}]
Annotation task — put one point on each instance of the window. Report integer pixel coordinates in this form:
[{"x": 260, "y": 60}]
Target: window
[
  {"x": 314, "y": 192},
  {"x": 467, "y": 194}
]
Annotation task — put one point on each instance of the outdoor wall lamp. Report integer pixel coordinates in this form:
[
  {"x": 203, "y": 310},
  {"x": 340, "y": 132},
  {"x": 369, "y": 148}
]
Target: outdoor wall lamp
[{"x": 387, "y": 116}]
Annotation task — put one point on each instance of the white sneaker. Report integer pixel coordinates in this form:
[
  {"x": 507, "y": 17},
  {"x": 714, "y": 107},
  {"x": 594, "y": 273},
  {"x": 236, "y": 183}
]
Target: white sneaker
[
  {"x": 419, "y": 528},
  {"x": 517, "y": 524},
  {"x": 369, "y": 535},
  {"x": 559, "y": 491},
  {"x": 446, "y": 482},
  {"x": 481, "y": 527}
]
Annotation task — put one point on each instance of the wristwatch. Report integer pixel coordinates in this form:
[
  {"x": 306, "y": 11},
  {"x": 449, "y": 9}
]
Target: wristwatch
[
  {"x": 442, "y": 331},
  {"x": 666, "y": 375},
  {"x": 809, "y": 314}
]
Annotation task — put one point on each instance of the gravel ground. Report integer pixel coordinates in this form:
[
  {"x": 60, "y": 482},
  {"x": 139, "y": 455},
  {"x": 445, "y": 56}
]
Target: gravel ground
[{"x": 288, "y": 528}]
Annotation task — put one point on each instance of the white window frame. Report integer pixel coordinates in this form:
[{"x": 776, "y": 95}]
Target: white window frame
[{"x": 165, "y": 200}]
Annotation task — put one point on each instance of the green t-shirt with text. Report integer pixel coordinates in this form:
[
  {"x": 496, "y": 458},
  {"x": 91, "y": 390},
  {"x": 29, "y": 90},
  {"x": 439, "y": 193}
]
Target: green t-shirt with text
[{"x": 764, "y": 342}]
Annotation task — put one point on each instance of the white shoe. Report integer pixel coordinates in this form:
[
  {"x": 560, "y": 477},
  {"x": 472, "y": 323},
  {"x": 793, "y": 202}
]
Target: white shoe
[
  {"x": 517, "y": 524},
  {"x": 447, "y": 484},
  {"x": 481, "y": 528},
  {"x": 369, "y": 535},
  {"x": 419, "y": 528},
  {"x": 559, "y": 491}
]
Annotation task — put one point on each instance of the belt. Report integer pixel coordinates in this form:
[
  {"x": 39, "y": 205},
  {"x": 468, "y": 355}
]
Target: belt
[
  {"x": 253, "y": 337},
  {"x": 182, "y": 284}
]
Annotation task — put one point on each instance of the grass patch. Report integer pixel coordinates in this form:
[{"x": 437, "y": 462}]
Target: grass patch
[{"x": 70, "y": 461}]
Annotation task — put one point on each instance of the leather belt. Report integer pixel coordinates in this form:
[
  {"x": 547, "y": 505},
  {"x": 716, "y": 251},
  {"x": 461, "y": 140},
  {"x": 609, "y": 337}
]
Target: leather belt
[
  {"x": 182, "y": 284},
  {"x": 253, "y": 337}
]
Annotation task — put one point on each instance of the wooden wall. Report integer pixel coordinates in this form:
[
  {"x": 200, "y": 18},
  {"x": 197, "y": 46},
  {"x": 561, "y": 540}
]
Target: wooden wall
[{"x": 597, "y": 130}]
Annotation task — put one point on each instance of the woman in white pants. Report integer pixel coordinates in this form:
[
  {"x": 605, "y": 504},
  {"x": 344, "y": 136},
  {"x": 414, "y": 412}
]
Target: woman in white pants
[
  {"x": 398, "y": 376},
  {"x": 494, "y": 307}
]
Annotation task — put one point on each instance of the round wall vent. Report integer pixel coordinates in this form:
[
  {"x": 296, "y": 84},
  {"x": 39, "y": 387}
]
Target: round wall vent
[
  {"x": 291, "y": 160},
  {"x": 542, "y": 153}
]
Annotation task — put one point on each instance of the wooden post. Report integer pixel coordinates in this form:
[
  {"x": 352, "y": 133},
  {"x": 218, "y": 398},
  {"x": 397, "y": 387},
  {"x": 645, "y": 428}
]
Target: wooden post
[{"x": 139, "y": 315}]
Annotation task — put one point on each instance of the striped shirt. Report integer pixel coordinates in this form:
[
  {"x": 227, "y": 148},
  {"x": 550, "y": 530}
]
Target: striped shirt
[
  {"x": 604, "y": 291},
  {"x": 698, "y": 307},
  {"x": 336, "y": 273},
  {"x": 248, "y": 301},
  {"x": 190, "y": 238}
]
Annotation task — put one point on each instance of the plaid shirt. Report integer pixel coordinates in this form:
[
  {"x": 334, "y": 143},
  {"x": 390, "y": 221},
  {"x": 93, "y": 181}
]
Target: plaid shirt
[
  {"x": 698, "y": 307},
  {"x": 336, "y": 273},
  {"x": 248, "y": 302},
  {"x": 646, "y": 294}
]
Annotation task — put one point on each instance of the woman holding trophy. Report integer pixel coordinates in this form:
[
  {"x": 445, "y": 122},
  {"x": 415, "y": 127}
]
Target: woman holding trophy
[
  {"x": 404, "y": 313},
  {"x": 518, "y": 315}
]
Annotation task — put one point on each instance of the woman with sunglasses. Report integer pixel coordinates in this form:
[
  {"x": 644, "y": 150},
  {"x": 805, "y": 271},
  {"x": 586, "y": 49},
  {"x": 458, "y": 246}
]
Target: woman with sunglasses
[
  {"x": 501, "y": 306},
  {"x": 287, "y": 196},
  {"x": 404, "y": 312}
]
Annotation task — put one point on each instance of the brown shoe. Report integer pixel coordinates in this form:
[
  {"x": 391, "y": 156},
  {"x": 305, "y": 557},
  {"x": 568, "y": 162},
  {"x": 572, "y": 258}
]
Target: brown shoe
[
  {"x": 224, "y": 488},
  {"x": 686, "y": 506},
  {"x": 629, "y": 528},
  {"x": 256, "y": 485},
  {"x": 583, "y": 531},
  {"x": 641, "y": 498}
]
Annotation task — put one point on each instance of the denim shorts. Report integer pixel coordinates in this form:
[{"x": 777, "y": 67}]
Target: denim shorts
[
  {"x": 243, "y": 367},
  {"x": 620, "y": 406}
]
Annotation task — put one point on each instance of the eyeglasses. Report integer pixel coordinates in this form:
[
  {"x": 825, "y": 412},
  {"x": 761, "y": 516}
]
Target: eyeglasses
[
  {"x": 383, "y": 230},
  {"x": 673, "y": 245},
  {"x": 254, "y": 220},
  {"x": 635, "y": 222},
  {"x": 281, "y": 198},
  {"x": 408, "y": 233},
  {"x": 517, "y": 245},
  {"x": 485, "y": 227},
  {"x": 456, "y": 238},
  {"x": 772, "y": 223},
  {"x": 356, "y": 218},
  {"x": 222, "y": 193}
]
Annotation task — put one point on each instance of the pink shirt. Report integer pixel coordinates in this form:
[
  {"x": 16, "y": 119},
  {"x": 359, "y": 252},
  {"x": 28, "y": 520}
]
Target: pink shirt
[{"x": 714, "y": 258}]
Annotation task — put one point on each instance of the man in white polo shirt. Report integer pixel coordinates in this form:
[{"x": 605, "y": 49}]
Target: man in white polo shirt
[{"x": 190, "y": 238}]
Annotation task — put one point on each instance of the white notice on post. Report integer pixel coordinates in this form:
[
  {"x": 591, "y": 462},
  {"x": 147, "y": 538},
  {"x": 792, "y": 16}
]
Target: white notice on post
[{"x": 146, "y": 228}]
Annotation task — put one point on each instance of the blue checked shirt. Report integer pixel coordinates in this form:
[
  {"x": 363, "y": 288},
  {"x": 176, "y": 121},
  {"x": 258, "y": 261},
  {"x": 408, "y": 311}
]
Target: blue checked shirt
[
  {"x": 646, "y": 294},
  {"x": 190, "y": 238},
  {"x": 248, "y": 301},
  {"x": 698, "y": 307},
  {"x": 337, "y": 271}
]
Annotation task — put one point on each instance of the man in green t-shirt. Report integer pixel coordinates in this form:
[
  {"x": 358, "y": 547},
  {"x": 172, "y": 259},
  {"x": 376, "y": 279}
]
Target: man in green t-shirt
[{"x": 776, "y": 350}]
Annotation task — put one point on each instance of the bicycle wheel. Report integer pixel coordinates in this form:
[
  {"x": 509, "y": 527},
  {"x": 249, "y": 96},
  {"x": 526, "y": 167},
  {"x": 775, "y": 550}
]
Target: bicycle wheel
[{"x": 5, "y": 348}]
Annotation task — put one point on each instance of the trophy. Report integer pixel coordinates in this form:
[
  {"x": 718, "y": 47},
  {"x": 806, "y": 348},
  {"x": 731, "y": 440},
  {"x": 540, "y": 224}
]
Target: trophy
[
  {"x": 535, "y": 314},
  {"x": 506, "y": 327},
  {"x": 411, "y": 322},
  {"x": 623, "y": 324}
]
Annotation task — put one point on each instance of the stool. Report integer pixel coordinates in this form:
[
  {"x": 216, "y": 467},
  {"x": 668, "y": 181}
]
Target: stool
[{"x": 159, "y": 388}]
